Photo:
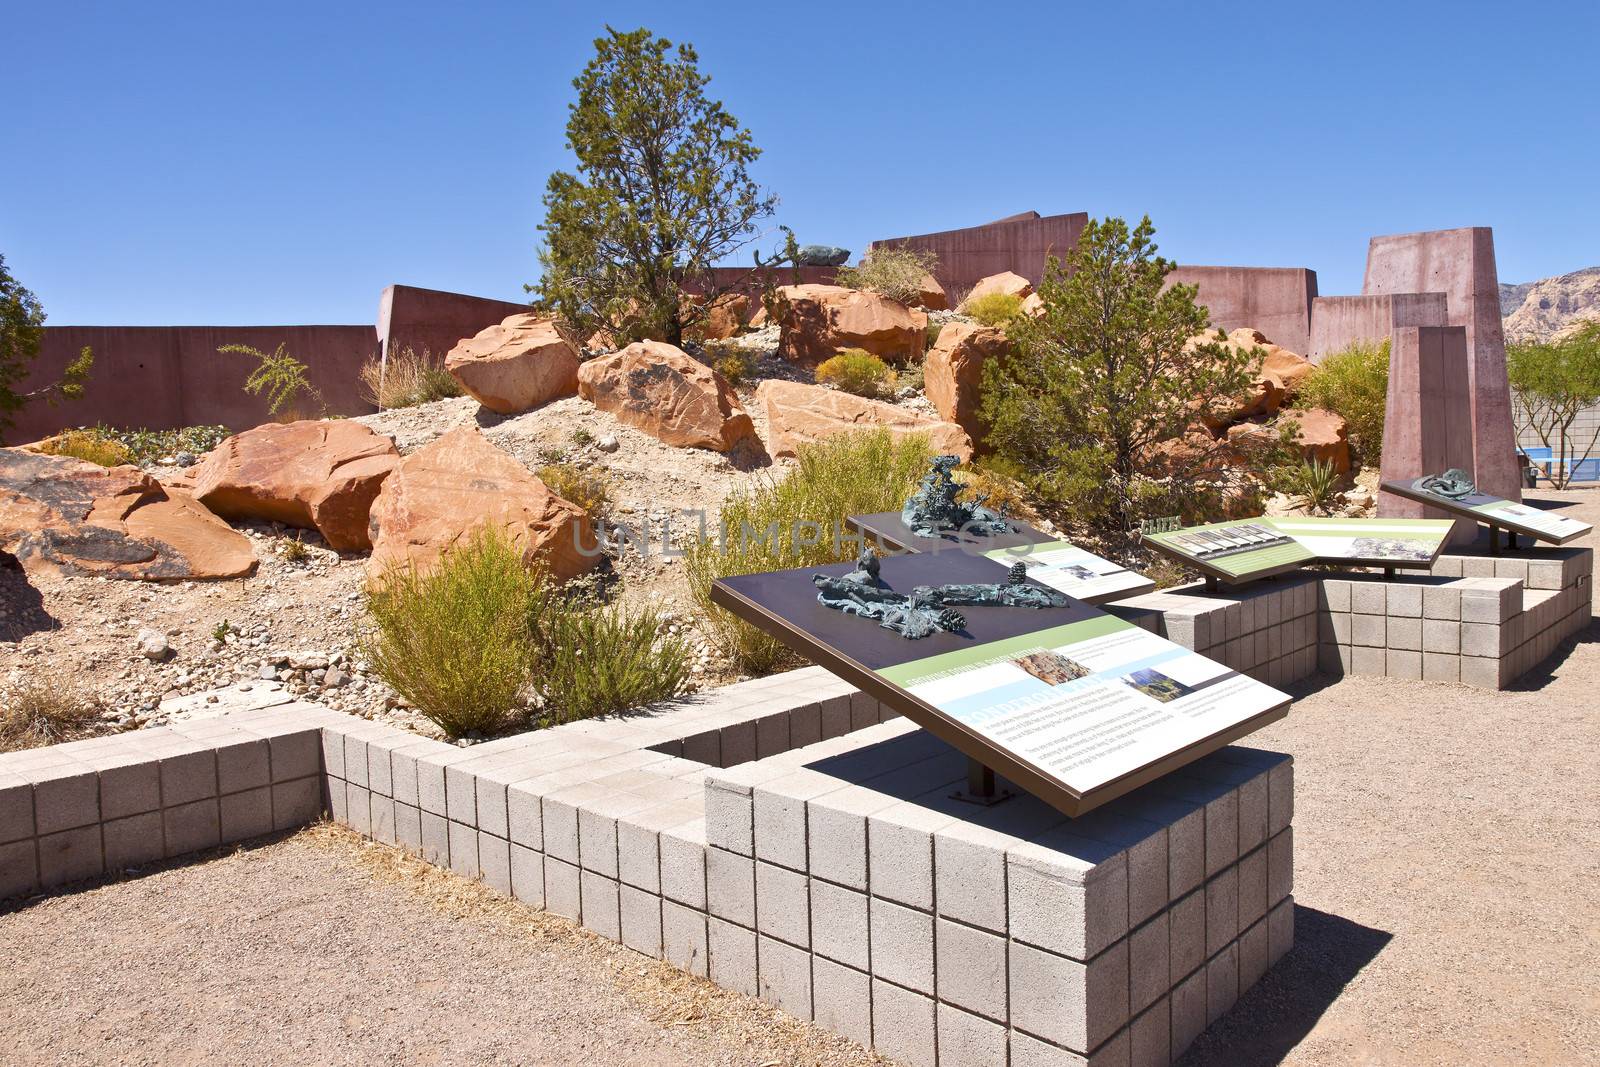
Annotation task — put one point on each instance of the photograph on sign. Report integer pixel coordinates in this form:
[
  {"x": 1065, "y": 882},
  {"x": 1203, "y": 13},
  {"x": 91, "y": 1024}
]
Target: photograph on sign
[
  {"x": 1074, "y": 571},
  {"x": 1243, "y": 549}
]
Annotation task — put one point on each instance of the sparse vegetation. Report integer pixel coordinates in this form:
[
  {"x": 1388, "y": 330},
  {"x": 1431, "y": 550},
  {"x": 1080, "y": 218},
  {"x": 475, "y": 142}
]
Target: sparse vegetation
[
  {"x": 407, "y": 379},
  {"x": 293, "y": 550},
  {"x": 798, "y": 522},
  {"x": 734, "y": 362},
  {"x": 857, "y": 371},
  {"x": 1314, "y": 483},
  {"x": 600, "y": 660},
  {"x": 589, "y": 489},
  {"x": 38, "y": 709},
  {"x": 1354, "y": 383},
  {"x": 896, "y": 273},
  {"x": 581, "y": 437},
  {"x": 994, "y": 309},
  {"x": 89, "y": 447},
  {"x": 21, "y": 333},
  {"x": 221, "y": 630},
  {"x": 280, "y": 376}
]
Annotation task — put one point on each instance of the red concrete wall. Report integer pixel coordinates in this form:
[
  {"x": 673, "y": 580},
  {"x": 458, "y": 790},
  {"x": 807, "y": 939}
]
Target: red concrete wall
[
  {"x": 1460, "y": 264},
  {"x": 1427, "y": 425},
  {"x": 161, "y": 377},
  {"x": 1020, "y": 244},
  {"x": 1273, "y": 300},
  {"x": 433, "y": 320},
  {"x": 1337, "y": 322}
]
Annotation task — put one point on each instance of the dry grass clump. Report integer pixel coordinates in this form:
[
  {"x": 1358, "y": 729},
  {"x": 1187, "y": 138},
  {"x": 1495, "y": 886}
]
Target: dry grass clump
[
  {"x": 37, "y": 710},
  {"x": 590, "y": 490},
  {"x": 600, "y": 660},
  {"x": 89, "y": 446},
  {"x": 407, "y": 380},
  {"x": 857, "y": 371},
  {"x": 896, "y": 273}
]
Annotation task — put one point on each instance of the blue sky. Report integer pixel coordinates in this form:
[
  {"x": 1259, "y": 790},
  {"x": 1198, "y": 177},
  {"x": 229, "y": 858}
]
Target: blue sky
[{"x": 281, "y": 163}]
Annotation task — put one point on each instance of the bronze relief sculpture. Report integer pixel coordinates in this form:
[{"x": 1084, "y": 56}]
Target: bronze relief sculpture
[{"x": 926, "y": 609}]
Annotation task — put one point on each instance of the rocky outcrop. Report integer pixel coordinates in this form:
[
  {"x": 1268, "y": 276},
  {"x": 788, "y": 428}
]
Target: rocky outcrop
[
  {"x": 799, "y": 413},
  {"x": 65, "y": 516},
  {"x": 1278, "y": 375},
  {"x": 658, "y": 388},
  {"x": 448, "y": 490},
  {"x": 931, "y": 295},
  {"x": 1321, "y": 435},
  {"x": 320, "y": 475},
  {"x": 817, "y": 321},
  {"x": 1550, "y": 307},
  {"x": 522, "y": 362},
  {"x": 953, "y": 371}
]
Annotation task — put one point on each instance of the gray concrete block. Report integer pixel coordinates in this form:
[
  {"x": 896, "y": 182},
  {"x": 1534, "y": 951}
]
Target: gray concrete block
[
  {"x": 805, "y": 725},
  {"x": 524, "y": 820},
  {"x": 1186, "y": 946},
  {"x": 733, "y": 956},
  {"x": 1077, "y": 1005},
  {"x": 1441, "y": 667},
  {"x": 971, "y": 969},
  {"x": 903, "y": 1024},
  {"x": 1149, "y": 962},
  {"x": 1368, "y": 598},
  {"x": 737, "y": 743},
  {"x": 1403, "y": 665},
  {"x": 333, "y": 753},
  {"x": 435, "y": 839},
  {"x": 602, "y": 904},
  {"x": 562, "y": 893},
  {"x": 127, "y": 789},
  {"x": 73, "y": 855},
  {"x": 683, "y": 865},
  {"x": 1280, "y": 866},
  {"x": 835, "y": 716},
  {"x": 1222, "y": 910},
  {"x": 296, "y": 803},
  {"x": 187, "y": 827},
  {"x": 463, "y": 849},
  {"x": 1441, "y": 603},
  {"x": 130, "y": 842},
  {"x": 772, "y": 734},
  {"x": 431, "y": 783},
  {"x": 841, "y": 1000},
  {"x": 902, "y": 945},
  {"x": 731, "y": 887},
  {"x": 295, "y": 755},
  {"x": 1404, "y": 600},
  {"x": 783, "y": 976},
  {"x": 969, "y": 872},
  {"x": 246, "y": 814},
  {"x": 1441, "y": 635},
  {"x": 839, "y": 924},
  {"x": 684, "y": 938},
  {"x": 16, "y": 808},
  {"x": 383, "y": 828},
  {"x": 527, "y": 875},
  {"x": 1253, "y": 955},
  {"x": 1480, "y": 639},
  {"x": 1369, "y": 662},
  {"x": 641, "y": 921},
  {"x": 1369, "y": 631},
  {"x": 783, "y": 904},
  {"x": 1188, "y": 1007},
  {"x": 969, "y": 1041},
  {"x": 1222, "y": 982},
  {"x": 900, "y": 853},
  {"x": 1150, "y": 1036},
  {"x": 407, "y": 827},
  {"x": 1481, "y": 672},
  {"x": 402, "y": 771},
  {"x": 1405, "y": 634},
  {"x": 19, "y": 869},
  {"x": 1253, "y": 896},
  {"x": 1068, "y": 894},
  {"x": 1280, "y": 929},
  {"x": 730, "y": 817},
  {"x": 355, "y": 759},
  {"x": 494, "y": 861},
  {"x": 358, "y": 809},
  {"x": 67, "y": 797},
  {"x": 1027, "y": 1051}
]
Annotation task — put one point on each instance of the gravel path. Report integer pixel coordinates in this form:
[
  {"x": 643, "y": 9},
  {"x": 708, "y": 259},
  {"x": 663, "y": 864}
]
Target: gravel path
[{"x": 1446, "y": 881}]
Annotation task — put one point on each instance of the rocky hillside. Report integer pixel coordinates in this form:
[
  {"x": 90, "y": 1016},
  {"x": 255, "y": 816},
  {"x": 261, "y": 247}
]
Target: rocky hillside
[{"x": 1550, "y": 306}]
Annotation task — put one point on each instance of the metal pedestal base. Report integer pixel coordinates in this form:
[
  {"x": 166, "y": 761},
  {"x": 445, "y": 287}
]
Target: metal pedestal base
[{"x": 981, "y": 789}]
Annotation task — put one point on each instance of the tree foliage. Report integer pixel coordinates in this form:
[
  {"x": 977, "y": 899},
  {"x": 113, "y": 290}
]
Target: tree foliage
[
  {"x": 278, "y": 374},
  {"x": 661, "y": 193},
  {"x": 1354, "y": 383},
  {"x": 21, "y": 333},
  {"x": 1099, "y": 407},
  {"x": 1553, "y": 382}
]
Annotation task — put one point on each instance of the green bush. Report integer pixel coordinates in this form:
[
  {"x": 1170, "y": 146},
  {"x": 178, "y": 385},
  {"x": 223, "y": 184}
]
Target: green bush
[
  {"x": 455, "y": 642},
  {"x": 1314, "y": 483},
  {"x": 601, "y": 660},
  {"x": 993, "y": 309},
  {"x": 88, "y": 446},
  {"x": 407, "y": 379},
  {"x": 1354, "y": 383},
  {"x": 896, "y": 273},
  {"x": 281, "y": 377},
  {"x": 857, "y": 371},
  {"x": 798, "y": 522},
  {"x": 590, "y": 490}
]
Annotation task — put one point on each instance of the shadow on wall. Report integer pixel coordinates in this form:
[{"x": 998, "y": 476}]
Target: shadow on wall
[{"x": 1280, "y": 1010}]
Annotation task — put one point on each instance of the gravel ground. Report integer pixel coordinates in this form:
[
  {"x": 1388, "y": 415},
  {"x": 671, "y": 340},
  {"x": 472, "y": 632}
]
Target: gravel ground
[{"x": 1446, "y": 880}]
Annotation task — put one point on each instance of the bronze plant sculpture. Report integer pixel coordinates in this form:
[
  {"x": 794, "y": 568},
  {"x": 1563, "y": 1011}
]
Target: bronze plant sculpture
[
  {"x": 925, "y": 610},
  {"x": 934, "y": 510}
]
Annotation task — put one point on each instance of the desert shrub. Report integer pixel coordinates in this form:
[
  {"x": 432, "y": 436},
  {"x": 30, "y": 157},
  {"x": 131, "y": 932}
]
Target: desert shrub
[
  {"x": 857, "y": 371},
  {"x": 599, "y": 660},
  {"x": 930, "y": 335},
  {"x": 38, "y": 710},
  {"x": 590, "y": 490},
  {"x": 1354, "y": 383},
  {"x": 993, "y": 309},
  {"x": 1003, "y": 493},
  {"x": 88, "y": 446},
  {"x": 911, "y": 376},
  {"x": 733, "y": 361},
  {"x": 294, "y": 550},
  {"x": 280, "y": 376},
  {"x": 455, "y": 642},
  {"x": 1314, "y": 483},
  {"x": 147, "y": 446},
  {"x": 896, "y": 273},
  {"x": 797, "y": 521},
  {"x": 407, "y": 379}
]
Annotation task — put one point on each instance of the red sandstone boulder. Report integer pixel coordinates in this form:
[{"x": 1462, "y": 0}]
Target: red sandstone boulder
[
  {"x": 64, "y": 516},
  {"x": 725, "y": 318},
  {"x": 816, "y": 322},
  {"x": 953, "y": 371},
  {"x": 320, "y": 475},
  {"x": 1004, "y": 282},
  {"x": 658, "y": 388},
  {"x": 1322, "y": 436},
  {"x": 458, "y": 484},
  {"x": 931, "y": 295},
  {"x": 798, "y": 413},
  {"x": 516, "y": 365}
]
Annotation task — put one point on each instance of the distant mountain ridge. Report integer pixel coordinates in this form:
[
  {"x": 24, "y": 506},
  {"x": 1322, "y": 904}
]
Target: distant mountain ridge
[{"x": 1550, "y": 307}]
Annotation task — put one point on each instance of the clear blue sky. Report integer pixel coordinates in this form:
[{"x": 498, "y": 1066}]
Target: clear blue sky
[{"x": 281, "y": 163}]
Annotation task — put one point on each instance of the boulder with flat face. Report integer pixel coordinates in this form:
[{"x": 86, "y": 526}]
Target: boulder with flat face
[
  {"x": 658, "y": 388},
  {"x": 1321, "y": 435},
  {"x": 798, "y": 413},
  {"x": 63, "y": 516},
  {"x": 724, "y": 318},
  {"x": 816, "y": 322},
  {"x": 515, "y": 366},
  {"x": 448, "y": 490},
  {"x": 931, "y": 295},
  {"x": 953, "y": 371},
  {"x": 1004, "y": 282},
  {"x": 317, "y": 474}
]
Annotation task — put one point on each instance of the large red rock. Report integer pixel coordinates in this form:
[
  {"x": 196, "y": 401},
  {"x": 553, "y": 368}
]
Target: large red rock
[
  {"x": 953, "y": 371},
  {"x": 458, "y": 484},
  {"x": 931, "y": 295},
  {"x": 1004, "y": 282},
  {"x": 514, "y": 366},
  {"x": 64, "y": 516},
  {"x": 660, "y": 389},
  {"x": 816, "y": 322},
  {"x": 798, "y": 413},
  {"x": 724, "y": 318},
  {"x": 320, "y": 475},
  {"x": 1321, "y": 435}
]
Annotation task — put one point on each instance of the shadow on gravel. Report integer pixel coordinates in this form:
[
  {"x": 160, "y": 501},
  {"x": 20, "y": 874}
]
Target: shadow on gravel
[
  {"x": 1280, "y": 1010},
  {"x": 22, "y": 609},
  {"x": 1549, "y": 669}
]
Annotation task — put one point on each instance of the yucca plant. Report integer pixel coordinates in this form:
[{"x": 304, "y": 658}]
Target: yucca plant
[{"x": 1315, "y": 484}]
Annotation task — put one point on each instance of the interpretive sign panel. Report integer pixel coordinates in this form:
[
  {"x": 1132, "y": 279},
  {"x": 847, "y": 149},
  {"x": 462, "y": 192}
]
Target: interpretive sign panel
[
  {"x": 1055, "y": 563},
  {"x": 1242, "y": 550},
  {"x": 1494, "y": 512},
  {"x": 1075, "y": 706}
]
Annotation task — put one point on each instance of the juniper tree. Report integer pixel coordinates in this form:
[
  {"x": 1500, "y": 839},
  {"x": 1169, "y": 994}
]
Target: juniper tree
[
  {"x": 21, "y": 334},
  {"x": 661, "y": 193}
]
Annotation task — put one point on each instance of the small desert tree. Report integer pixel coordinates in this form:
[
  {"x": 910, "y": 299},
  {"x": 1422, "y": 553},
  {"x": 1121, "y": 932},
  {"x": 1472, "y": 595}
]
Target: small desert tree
[
  {"x": 21, "y": 334},
  {"x": 1099, "y": 410},
  {"x": 662, "y": 192},
  {"x": 1553, "y": 383}
]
